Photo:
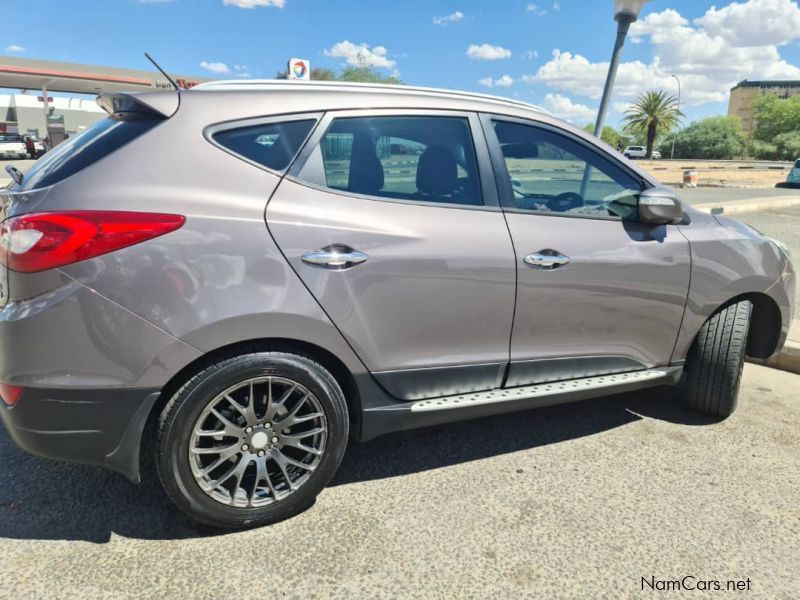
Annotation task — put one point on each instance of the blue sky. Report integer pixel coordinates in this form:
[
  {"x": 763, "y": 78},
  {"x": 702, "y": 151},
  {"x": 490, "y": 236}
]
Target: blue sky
[{"x": 547, "y": 52}]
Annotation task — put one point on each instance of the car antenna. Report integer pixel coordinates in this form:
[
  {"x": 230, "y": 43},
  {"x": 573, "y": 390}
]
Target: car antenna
[{"x": 163, "y": 72}]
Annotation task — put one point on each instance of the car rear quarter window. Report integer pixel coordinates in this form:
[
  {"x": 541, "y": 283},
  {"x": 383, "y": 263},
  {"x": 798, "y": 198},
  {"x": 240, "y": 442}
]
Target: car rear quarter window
[
  {"x": 271, "y": 145},
  {"x": 81, "y": 150}
]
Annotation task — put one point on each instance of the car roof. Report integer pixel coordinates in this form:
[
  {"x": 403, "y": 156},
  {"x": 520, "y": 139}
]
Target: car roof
[{"x": 334, "y": 88}]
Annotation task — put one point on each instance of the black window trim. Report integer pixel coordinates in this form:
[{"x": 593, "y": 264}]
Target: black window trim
[
  {"x": 211, "y": 130},
  {"x": 503, "y": 179},
  {"x": 491, "y": 201}
]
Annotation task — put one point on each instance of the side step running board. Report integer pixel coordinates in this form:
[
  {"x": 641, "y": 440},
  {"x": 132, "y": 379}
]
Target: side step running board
[
  {"x": 409, "y": 415},
  {"x": 539, "y": 390}
]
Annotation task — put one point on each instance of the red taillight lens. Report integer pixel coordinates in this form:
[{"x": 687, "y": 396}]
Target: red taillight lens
[
  {"x": 10, "y": 393},
  {"x": 41, "y": 241}
]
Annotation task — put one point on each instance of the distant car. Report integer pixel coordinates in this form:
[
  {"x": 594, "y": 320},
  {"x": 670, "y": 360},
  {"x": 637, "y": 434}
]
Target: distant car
[
  {"x": 34, "y": 146},
  {"x": 639, "y": 152},
  {"x": 12, "y": 146},
  {"x": 793, "y": 179}
]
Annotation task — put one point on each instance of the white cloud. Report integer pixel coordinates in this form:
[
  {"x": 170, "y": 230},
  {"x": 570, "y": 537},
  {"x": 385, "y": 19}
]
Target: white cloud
[
  {"x": 254, "y": 3},
  {"x": 488, "y": 52},
  {"x": 453, "y": 18},
  {"x": 710, "y": 56},
  {"x": 359, "y": 55},
  {"x": 219, "y": 68},
  {"x": 504, "y": 81},
  {"x": 754, "y": 23},
  {"x": 15, "y": 48},
  {"x": 566, "y": 109},
  {"x": 621, "y": 107},
  {"x": 530, "y": 54},
  {"x": 535, "y": 9}
]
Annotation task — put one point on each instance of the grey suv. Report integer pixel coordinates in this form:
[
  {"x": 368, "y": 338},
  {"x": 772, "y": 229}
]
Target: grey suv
[{"x": 236, "y": 279}]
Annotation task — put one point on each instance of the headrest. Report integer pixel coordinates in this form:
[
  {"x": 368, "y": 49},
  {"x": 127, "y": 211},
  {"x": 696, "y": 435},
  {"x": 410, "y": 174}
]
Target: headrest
[{"x": 437, "y": 172}]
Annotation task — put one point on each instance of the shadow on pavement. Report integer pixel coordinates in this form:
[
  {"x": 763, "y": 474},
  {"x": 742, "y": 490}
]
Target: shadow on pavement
[{"x": 40, "y": 499}]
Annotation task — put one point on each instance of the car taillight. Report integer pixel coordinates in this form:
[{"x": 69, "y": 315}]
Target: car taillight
[
  {"x": 41, "y": 241},
  {"x": 10, "y": 393}
]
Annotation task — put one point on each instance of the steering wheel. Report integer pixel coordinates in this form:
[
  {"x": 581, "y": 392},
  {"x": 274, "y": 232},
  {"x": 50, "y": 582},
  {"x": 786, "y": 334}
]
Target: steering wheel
[{"x": 565, "y": 201}]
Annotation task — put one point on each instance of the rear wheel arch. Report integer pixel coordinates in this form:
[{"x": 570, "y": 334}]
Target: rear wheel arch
[{"x": 323, "y": 357}]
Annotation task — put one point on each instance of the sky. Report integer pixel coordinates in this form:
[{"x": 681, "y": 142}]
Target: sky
[{"x": 553, "y": 53}]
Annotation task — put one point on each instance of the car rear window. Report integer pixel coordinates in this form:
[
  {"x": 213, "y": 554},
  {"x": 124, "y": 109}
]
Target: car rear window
[
  {"x": 271, "y": 145},
  {"x": 81, "y": 150}
]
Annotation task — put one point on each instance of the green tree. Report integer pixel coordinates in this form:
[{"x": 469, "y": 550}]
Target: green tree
[
  {"x": 609, "y": 135},
  {"x": 652, "y": 113},
  {"x": 785, "y": 146},
  {"x": 363, "y": 74},
  {"x": 711, "y": 138},
  {"x": 366, "y": 74},
  {"x": 775, "y": 116},
  {"x": 318, "y": 74}
]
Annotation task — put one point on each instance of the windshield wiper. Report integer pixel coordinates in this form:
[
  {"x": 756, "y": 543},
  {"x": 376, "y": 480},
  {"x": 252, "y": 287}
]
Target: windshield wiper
[{"x": 15, "y": 173}]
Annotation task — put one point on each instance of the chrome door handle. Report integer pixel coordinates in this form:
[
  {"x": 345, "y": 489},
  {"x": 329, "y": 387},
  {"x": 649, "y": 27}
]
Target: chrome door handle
[
  {"x": 546, "y": 259},
  {"x": 337, "y": 257}
]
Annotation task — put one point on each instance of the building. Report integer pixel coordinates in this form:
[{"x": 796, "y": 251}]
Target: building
[
  {"x": 23, "y": 113},
  {"x": 37, "y": 111},
  {"x": 744, "y": 94}
]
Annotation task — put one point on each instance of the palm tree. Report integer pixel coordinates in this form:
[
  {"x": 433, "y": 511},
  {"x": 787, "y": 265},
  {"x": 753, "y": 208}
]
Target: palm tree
[{"x": 653, "y": 111}]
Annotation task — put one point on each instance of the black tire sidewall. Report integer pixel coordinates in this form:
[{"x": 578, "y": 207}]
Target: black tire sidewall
[{"x": 182, "y": 413}]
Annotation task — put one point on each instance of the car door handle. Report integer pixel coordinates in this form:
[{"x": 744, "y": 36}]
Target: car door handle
[
  {"x": 546, "y": 259},
  {"x": 336, "y": 257}
]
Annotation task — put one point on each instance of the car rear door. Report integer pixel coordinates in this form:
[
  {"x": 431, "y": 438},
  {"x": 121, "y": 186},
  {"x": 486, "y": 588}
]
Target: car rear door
[
  {"x": 599, "y": 292},
  {"x": 391, "y": 220}
]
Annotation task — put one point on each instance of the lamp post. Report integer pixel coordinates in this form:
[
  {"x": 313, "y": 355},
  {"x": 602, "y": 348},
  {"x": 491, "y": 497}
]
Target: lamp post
[
  {"x": 625, "y": 13},
  {"x": 672, "y": 152}
]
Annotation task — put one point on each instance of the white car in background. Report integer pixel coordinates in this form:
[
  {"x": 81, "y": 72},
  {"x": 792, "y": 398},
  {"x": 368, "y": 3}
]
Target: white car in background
[
  {"x": 639, "y": 152},
  {"x": 12, "y": 146}
]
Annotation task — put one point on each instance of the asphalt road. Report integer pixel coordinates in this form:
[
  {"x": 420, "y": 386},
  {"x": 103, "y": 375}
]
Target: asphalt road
[
  {"x": 581, "y": 500},
  {"x": 721, "y": 195},
  {"x": 782, "y": 224}
]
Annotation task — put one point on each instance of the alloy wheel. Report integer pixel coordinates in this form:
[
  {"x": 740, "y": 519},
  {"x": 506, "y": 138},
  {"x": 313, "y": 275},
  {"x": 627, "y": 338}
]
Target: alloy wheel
[{"x": 258, "y": 442}]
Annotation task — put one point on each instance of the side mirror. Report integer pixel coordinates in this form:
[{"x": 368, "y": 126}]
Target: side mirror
[{"x": 660, "y": 206}]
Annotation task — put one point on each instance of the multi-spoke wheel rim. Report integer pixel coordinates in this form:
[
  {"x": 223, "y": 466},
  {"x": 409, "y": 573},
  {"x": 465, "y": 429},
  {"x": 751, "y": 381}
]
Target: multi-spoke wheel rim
[{"x": 258, "y": 442}]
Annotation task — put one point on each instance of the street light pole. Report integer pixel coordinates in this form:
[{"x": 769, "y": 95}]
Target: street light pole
[
  {"x": 625, "y": 13},
  {"x": 672, "y": 152},
  {"x": 624, "y": 21}
]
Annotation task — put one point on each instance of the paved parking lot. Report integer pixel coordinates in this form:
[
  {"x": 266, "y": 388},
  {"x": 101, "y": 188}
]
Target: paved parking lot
[{"x": 580, "y": 500}]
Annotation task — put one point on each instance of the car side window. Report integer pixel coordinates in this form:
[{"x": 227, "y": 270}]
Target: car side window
[
  {"x": 272, "y": 145},
  {"x": 414, "y": 158},
  {"x": 553, "y": 173}
]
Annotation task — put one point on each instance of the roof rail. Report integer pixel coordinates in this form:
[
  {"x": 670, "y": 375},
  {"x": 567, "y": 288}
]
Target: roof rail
[{"x": 399, "y": 89}]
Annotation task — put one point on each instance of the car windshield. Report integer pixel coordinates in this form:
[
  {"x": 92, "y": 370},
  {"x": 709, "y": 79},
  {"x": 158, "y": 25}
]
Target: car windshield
[
  {"x": 10, "y": 137},
  {"x": 797, "y": 164}
]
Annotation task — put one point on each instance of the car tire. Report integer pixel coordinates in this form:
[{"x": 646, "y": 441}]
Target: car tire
[
  {"x": 714, "y": 364},
  {"x": 626, "y": 155},
  {"x": 187, "y": 446}
]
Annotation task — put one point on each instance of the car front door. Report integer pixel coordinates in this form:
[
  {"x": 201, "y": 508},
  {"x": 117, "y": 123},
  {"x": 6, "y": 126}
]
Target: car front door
[
  {"x": 598, "y": 291},
  {"x": 391, "y": 219}
]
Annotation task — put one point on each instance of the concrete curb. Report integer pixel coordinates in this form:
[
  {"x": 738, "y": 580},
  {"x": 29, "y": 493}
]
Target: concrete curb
[
  {"x": 749, "y": 205},
  {"x": 787, "y": 359}
]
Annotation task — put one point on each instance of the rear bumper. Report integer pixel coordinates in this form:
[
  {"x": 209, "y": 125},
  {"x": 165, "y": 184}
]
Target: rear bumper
[{"x": 89, "y": 426}]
